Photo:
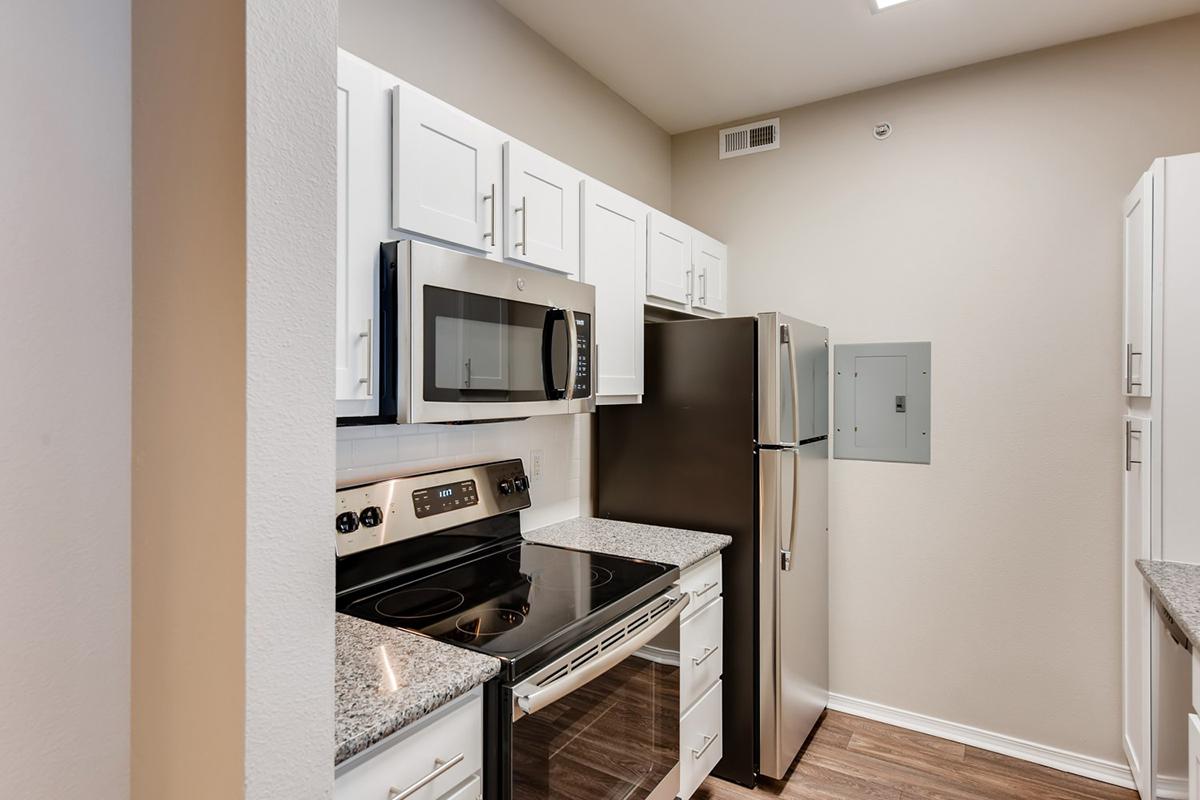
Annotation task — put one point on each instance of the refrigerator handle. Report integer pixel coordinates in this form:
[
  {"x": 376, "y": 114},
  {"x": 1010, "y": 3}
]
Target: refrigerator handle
[{"x": 785, "y": 554}]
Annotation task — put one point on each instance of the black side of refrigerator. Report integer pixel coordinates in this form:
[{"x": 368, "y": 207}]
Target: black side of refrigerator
[{"x": 685, "y": 458}]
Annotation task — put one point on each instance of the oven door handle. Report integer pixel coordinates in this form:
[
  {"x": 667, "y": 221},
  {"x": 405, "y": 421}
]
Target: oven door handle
[{"x": 531, "y": 698}]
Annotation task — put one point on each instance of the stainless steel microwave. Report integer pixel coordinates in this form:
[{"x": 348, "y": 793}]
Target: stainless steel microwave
[{"x": 466, "y": 339}]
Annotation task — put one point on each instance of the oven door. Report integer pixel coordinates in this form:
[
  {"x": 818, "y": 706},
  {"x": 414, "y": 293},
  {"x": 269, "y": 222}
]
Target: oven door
[
  {"x": 602, "y": 721},
  {"x": 492, "y": 341}
]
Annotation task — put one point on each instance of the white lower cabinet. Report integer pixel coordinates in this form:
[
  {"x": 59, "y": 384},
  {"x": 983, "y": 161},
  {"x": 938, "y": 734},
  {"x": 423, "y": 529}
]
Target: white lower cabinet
[
  {"x": 439, "y": 757},
  {"x": 1193, "y": 757},
  {"x": 700, "y": 668},
  {"x": 699, "y": 741}
]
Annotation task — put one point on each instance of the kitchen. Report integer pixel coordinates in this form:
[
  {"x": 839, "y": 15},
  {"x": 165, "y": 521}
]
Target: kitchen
[{"x": 956, "y": 186}]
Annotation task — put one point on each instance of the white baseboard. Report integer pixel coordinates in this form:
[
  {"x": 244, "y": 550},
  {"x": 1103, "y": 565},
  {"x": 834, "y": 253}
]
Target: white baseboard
[{"x": 1064, "y": 760}]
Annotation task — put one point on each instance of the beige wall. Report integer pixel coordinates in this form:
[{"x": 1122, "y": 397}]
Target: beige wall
[
  {"x": 983, "y": 588},
  {"x": 475, "y": 55},
  {"x": 64, "y": 405},
  {"x": 189, "y": 399}
]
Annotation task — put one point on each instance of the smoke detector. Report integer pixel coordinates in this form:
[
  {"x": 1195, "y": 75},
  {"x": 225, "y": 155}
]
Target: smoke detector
[{"x": 754, "y": 137}]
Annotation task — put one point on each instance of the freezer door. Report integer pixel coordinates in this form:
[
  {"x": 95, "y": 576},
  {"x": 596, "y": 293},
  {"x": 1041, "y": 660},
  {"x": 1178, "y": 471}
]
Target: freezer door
[
  {"x": 791, "y": 349},
  {"x": 793, "y": 604}
]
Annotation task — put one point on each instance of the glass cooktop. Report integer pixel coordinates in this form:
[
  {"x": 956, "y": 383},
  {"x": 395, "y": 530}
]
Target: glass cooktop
[{"x": 518, "y": 600}]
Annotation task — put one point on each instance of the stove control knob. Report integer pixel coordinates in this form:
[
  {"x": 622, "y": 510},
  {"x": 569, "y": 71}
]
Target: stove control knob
[
  {"x": 347, "y": 522},
  {"x": 370, "y": 517},
  {"x": 521, "y": 483},
  {"x": 506, "y": 486}
]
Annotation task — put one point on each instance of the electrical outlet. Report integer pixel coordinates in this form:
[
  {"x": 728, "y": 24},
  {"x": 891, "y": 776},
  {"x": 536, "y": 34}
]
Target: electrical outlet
[{"x": 535, "y": 466}]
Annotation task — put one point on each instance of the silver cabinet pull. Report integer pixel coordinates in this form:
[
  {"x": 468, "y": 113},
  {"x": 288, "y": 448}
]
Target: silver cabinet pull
[
  {"x": 524, "y": 209},
  {"x": 1129, "y": 381},
  {"x": 708, "y": 587},
  {"x": 687, "y": 291},
  {"x": 491, "y": 234},
  {"x": 440, "y": 768},
  {"x": 704, "y": 287},
  {"x": 1129, "y": 434},
  {"x": 368, "y": 379},
  {"x": 467, "y": 378},
  {"x": 708, "y": 742},
  {"x": 708, "y": 651}
]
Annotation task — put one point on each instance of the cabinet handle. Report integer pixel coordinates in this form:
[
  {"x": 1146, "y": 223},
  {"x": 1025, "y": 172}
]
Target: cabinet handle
[
  {"x": 440, "y": 768},
  {"x": 1129, "y": 381},
  {"x": 704, "y": 287},
  {"x": 369, "y": 378},
  {"x": 708, "y": 742},
  {"x": 708, "y": 651},
  {"x": 524, "y": 228},
  {"x": 708, "y": 587},
  {"x": 491, "y": 234},
  {"x": 467, "y": 379},
  {"x": 1129, "y": 434},
  {"x": 688, "y": 291}
]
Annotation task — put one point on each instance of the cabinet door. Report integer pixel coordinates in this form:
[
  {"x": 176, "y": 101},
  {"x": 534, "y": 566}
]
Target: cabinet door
[
  {"x": 1137, "y": 616},
  {"x": 541, "y": 217},
  {"x": 363, "y": 195},
  {"x": 1193, "y": 757},
  {"x": 668, "y": 260},
  {"x": 709, "y": 266},
  {"x": 614, "y": 261},
  {"x": 1139, "y": 284},
  {"x": 446, "y": 169}
]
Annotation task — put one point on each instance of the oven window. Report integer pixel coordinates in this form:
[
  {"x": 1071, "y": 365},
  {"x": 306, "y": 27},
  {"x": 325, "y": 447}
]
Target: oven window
[
  {"x": 487, "y": 349},
  {"x": 615, "y": 738}
]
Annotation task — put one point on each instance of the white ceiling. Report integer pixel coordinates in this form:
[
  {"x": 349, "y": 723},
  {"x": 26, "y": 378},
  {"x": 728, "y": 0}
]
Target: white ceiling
[{"x": 687, "y": 64}]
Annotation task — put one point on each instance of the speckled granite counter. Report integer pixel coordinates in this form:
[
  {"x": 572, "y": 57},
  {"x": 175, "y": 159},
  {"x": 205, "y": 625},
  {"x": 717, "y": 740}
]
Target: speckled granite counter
[
  {"x": 1177, "y": 587},
  {"x": 387, "y": 678},
  {"x": 632, "y": 540}
]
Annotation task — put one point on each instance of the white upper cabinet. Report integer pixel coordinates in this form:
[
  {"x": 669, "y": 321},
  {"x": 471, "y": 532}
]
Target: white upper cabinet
[
  {"x": 446, "y": 171},
  {"x": 541, "y": 210},
  {"x": 709, "y": 271},
  {"x": 363, "y": 194},
  {"x": 1139, "y": 289},
  {"x": 614, "y": 261},
  {"x": 669, "y": 260}
]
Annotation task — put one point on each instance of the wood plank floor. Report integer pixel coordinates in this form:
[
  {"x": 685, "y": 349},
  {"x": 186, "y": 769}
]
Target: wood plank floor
[{"x": 850, "y": 758}]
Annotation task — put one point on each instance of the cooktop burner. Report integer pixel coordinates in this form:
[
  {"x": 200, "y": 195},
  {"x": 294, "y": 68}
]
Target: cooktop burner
[{"x": 511, "y": 602}]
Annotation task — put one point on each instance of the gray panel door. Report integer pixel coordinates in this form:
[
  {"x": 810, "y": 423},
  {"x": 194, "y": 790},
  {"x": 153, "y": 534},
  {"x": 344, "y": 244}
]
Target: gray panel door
[{"x": 880, "y": 399}]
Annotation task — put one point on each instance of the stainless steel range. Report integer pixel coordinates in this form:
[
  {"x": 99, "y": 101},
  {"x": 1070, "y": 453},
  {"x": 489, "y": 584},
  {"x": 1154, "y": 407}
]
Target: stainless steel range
[{"x": 587, "y": 701}]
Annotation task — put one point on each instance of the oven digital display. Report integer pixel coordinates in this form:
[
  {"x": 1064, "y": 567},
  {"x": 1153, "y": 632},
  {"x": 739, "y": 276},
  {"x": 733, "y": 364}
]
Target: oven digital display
[{"x": 447, "y": 497}]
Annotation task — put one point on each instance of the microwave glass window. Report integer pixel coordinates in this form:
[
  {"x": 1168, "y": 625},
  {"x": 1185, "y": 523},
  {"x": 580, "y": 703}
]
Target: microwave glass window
[{"x": 487, "y": 349}]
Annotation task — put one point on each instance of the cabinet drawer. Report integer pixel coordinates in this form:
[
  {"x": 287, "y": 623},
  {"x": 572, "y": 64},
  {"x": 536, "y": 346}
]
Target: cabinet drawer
[
  {"x": 440, "y": 738},
  {"x": 700, "y": 656},
  {"x": 1196, "y": 679},
  {"x": 699, "y": 741},
  {"x": 703, "y": 582}
]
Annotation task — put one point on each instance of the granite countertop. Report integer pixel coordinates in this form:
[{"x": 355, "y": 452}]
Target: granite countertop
[
  {"x": 1177, "y": 587},
  {"x": 387, "y": 678},
  {"x": 632, "y": 540}
]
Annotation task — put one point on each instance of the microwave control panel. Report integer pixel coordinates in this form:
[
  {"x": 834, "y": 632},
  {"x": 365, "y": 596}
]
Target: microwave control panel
[{"x": 583, "y": 355}]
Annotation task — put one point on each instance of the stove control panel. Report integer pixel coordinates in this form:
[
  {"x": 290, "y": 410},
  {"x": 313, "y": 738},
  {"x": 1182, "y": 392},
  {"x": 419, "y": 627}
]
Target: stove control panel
[{"x": 401, "y": 508}]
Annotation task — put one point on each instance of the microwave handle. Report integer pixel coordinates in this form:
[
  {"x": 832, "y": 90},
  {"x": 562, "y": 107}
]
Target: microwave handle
[
  {"x": 552, "y": 391},
  {"x": 573, "y": 354}
]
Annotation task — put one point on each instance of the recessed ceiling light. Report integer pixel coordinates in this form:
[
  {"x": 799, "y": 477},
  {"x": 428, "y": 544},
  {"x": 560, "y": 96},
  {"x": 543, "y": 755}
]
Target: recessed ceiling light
[{"x": 883, "y": 5}]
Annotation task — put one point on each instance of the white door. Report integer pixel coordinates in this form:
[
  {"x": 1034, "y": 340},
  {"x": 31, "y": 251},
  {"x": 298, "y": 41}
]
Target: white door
[
  {"x": 614, "y": 261},
  {"x": 541, "y": 210},
  {"x": 668, "y": 259},
  {"x": 709, "y": 265},
  {"x": 364, "y": 122},
  {"x": 1137, "y": 616},
  {"x": 1139, "y": 283},
  {"x": 446, "y": 169}
]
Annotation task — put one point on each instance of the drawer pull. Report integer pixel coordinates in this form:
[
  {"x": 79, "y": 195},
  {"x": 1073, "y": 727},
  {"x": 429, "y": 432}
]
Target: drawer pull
[
  {"x": 708, "y": 587},
  {"x": 708, "y": 651},
  {"x": 708, "y": 742},
  {"x": 440, "y": 768}
]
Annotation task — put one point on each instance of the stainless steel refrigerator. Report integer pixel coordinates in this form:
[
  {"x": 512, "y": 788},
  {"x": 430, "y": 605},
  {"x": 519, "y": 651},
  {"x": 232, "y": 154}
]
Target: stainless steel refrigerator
[{"x": 731, "y": 437}]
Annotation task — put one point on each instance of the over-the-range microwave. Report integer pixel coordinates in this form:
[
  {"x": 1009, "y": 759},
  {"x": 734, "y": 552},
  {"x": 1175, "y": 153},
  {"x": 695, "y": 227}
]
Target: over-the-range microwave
[{"x": 466, "y": 339}]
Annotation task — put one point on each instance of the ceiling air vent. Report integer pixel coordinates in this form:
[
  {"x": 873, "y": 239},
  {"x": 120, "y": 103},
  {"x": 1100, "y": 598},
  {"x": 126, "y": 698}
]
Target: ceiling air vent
[{"x": 753, "y": 138}]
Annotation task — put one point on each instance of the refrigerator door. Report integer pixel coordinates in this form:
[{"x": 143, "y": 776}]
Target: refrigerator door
[
  {"x": 789, "y": 349},
  {"x": 793, "y": 604}
]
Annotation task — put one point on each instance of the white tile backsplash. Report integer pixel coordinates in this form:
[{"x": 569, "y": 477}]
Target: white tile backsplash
[{"x": 371, "y": 453}]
